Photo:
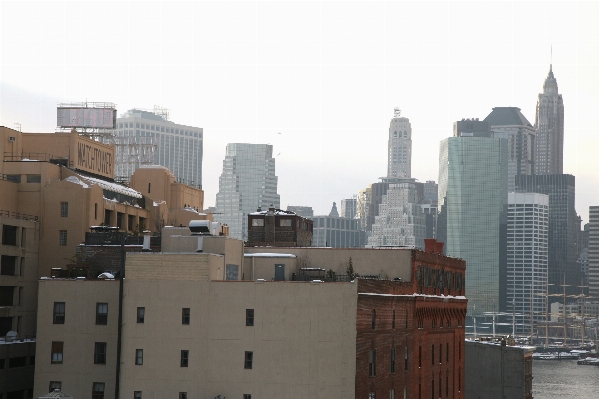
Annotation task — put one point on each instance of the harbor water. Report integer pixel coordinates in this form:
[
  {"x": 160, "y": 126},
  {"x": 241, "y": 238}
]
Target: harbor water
[{"x": 559, "y": 379}]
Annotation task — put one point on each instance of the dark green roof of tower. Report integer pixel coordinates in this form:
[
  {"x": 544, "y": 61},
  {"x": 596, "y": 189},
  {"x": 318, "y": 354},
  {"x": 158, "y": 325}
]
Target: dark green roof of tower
[{"x": 506, "y": 116}]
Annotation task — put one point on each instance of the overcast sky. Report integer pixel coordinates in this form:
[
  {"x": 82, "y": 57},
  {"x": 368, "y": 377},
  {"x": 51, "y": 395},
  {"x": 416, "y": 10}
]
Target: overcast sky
[{"x": 326, "y": 75}]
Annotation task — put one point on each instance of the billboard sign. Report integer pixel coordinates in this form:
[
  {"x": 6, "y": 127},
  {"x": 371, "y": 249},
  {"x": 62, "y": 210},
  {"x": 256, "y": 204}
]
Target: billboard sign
[
  {"x": 94, "y": 157},
  {"x": 103, "y": 118}
]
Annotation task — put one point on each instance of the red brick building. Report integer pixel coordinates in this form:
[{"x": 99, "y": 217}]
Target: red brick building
[{"x": 276, "y": 227}]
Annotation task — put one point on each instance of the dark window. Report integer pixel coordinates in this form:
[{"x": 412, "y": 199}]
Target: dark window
[
  {"x": 9, "y": 235},
  {"x": 433, "y": 389},
  {"x": 7, "y": 294},
  {"x": 58, "y": 313},
  {"x": 14, "y": 395},
  {"x": 2, "y": 361},
  {"x": 182, "y": 395},
  {"x": 447, "y": 352},
  {"x": 139, "y": 357},
  {"x": 136, "y": 394},
  {"x": 393, "y": 320},
  {"x": 14, "y": 178},
  {"x": 440, "y": 353},
  {"x": 184, "y": 358},
  {"x": 141, "y": 314},
  {"x": 393, "y": 360},
  {"x": 247, "y": 396},
  {"x": 185, "y": 316},
  {"x": 249, "y": 317},
  {"x": 8, "y": 265},
  {"x": 100, "y": 353},
  {"x": 372, "y": 363},
  {"x": 20, "y": 361},
  {"x": 101, "y": 313},
  {"x": 373, "y": 322},
  {"x": 249, "y": 360},
  {"x": 406, "y": 359},
  {"x": 34, "y": 178},
  {"x": 57, "y": 348},
  {"x": 420, "y": 356},
  {"x": 55, "y": 385},
  {"x": 433, "y": 354},
  {"x": 98, "y": 390},
  {"x": 62, "y": 238},
  {"x": 32, "y": 360},
  {"x": 64, "y": 209}
]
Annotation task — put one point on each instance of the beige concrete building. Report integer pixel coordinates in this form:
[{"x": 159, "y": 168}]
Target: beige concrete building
[{"x": 193, "y": 327}]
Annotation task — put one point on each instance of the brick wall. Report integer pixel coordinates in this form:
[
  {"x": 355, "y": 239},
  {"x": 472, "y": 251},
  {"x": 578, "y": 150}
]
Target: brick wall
[{"x": 159, "y": 266}]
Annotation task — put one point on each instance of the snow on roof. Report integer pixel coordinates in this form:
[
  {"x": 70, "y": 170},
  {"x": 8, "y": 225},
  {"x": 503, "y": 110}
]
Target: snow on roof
[
  {"x": 269, "y": 255},
  {"x": 111, "y": 186},
  {"x": 278, "y": 212},
  {"x": 74, "y": 179},
  {"x": 415, "y": 295},
  {"x": 190, "y": 209}
]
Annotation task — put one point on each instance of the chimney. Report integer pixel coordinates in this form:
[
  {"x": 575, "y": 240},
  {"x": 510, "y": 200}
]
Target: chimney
[
  {"x": 439, "y": 247},
  {"x": 429, "y": 244}
]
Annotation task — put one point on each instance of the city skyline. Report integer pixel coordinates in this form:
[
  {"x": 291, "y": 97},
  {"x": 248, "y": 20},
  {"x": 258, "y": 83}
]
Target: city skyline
[{"x": 252, "y": 71}]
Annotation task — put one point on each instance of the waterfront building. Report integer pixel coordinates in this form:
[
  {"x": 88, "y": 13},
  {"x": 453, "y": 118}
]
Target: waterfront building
[
  {"x": 527, "y": 235},
  {"x": 179, "y": 147},
  {"x": 593, "y": 250},
  {"x": 509, "y": 123},
  {"x": 248, "y": 182},
  {"x": 473, "y": 208},
  {"x": 399, "y": 163},
  {"x": 564, "y": 227},
  {"x": 549, "y": 125}
]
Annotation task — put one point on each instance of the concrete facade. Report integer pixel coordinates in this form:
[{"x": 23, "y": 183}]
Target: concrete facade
[
  {"x": 496, "y": 371},
  {"x": 399, "y": 162}
]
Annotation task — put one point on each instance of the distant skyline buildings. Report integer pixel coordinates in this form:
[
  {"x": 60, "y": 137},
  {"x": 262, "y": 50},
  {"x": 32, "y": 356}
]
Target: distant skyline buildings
[
  {"x": 247, "y": 182},
  {"x": 473, "y": 208},
  {"x": 179, "y": 147},
  {"x": 593, "y": 250},
  {"x": 399, "y": 161},
  {"x": 549, "y": 125},
  {"x": 348, "y": 207},
  {"x": 510, "y": 124},
  {"x": 336, "y": 231}
]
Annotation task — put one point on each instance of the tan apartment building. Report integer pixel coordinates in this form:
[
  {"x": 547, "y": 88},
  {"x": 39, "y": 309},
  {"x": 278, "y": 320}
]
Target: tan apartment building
[{"x": 193, "y": 330}]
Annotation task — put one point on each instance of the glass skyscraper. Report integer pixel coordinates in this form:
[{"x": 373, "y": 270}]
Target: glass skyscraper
[
  {"x": 472, "y": 208},
  {"x": 248, "y": 182}
]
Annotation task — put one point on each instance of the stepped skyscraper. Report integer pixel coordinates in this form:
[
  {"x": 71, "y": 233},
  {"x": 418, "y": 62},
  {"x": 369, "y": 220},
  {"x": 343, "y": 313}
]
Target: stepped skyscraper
[
  {"x": 399, "y": 162},
  {"x": 549, "y": 124}
]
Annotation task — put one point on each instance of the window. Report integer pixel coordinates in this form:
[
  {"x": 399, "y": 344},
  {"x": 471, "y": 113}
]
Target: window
[
  {"x": 447, "y": 352},
  {"x": 20, "y": 361},
  {"x": 285, "y": 222},
  {"x": 182, "y": 395},
  {"x": 371, "y": 395},
  {"x": 185, "y": 316},
  {"x": 405, "y": 392},
  {"x": 136, "y": 394},
  {"x": 57, "y": 348},
  {"x": 101, "y": 313},
  {"x": 433, "y": 353},
  {"x": 392, "y": 394},
  {"x": 64, "y": 209},
  {"x": 373, "y": 322},
  {"x": 141, "y": 313},
  {"x": 247, "y": 396},
  {"x": 32, "y": 360},
  {"x": 249, "y": 317},
  {"x": 58, "y": 313},
  {"x": 257, "y": 222},
  {"x": 440, "y": 353},
  {"x": 184, "y": 358},
  {"x": 34, "y": 178},
  {"x": 14, "y": 178},
  {"x": 405, "y": 356},
  {"x": 62, "y": 238},
  {"x": 55, "y": 385},
  {"x": 100, "y": 353},
  {"x": 392, "y": 360},
  {"x": 393, "y": 320},
  {"x": 98, "y": 390},
  {"x": 249, "y": 360},
  {"x": 420, "y": 356},
  {"x": 139, "y": 357},
  {"x": 372, "y": 363}
]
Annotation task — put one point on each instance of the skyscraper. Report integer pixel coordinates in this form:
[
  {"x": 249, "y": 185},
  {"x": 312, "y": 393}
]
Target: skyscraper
[
  {"x": 248, "y": 182},
  {"x": 399, "y": 163},
  {"x": 179, "y": 147},
  {"x": 400, "y": 221},
  {"x": 348, "y": 207},
  {"x": 473, "y": 207},
  {"x": 337, "y": 231},
  {"x": 593, "y": 251},
  {"x": 509, "y": 123},
  {"x": 564, "y": 227},
  {"x": 527, "y": 232},
  {"x": 549, "y": 124}
]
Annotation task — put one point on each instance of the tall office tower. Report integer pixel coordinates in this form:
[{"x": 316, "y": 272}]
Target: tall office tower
[
  {"x": 564, "y": 226},
  {"x": 379, "y": 189},
  {"x": 473, "y": 208},
  {"x": 248, "y": 182},
  {"x": 527, "y": 233},
  {"x": 348, "y": 207},
  {"x": 583, "y": 253},
  {"x": 179, "y": 147},
  {"x": 593, "y": 252},
  {"x": 363, "y": 206},
  {"x": 549, "y": 124},
  {"x": 399, "y": 163},
  {"x": 400, "y": 221},
  {"x": 431, "y": 192},
  {"x": 509, "y": 123}
]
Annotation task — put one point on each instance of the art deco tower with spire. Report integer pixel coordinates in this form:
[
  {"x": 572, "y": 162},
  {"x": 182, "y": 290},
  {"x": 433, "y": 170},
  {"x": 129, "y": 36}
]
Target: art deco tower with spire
[
  {"x": 549, "y": 124},
  {"x": 399, "y": 163}
]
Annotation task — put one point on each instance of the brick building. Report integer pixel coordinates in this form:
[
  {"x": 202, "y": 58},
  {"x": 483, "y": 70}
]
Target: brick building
[{"x": 276, "y": 227}]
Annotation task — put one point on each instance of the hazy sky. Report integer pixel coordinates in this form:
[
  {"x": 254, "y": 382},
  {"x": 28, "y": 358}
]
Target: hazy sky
[{"x": 326, "y": 75}]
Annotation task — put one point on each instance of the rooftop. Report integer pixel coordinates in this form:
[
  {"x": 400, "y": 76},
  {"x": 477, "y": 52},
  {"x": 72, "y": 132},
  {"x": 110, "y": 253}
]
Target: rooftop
[{"x": 507, "y": 116}]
